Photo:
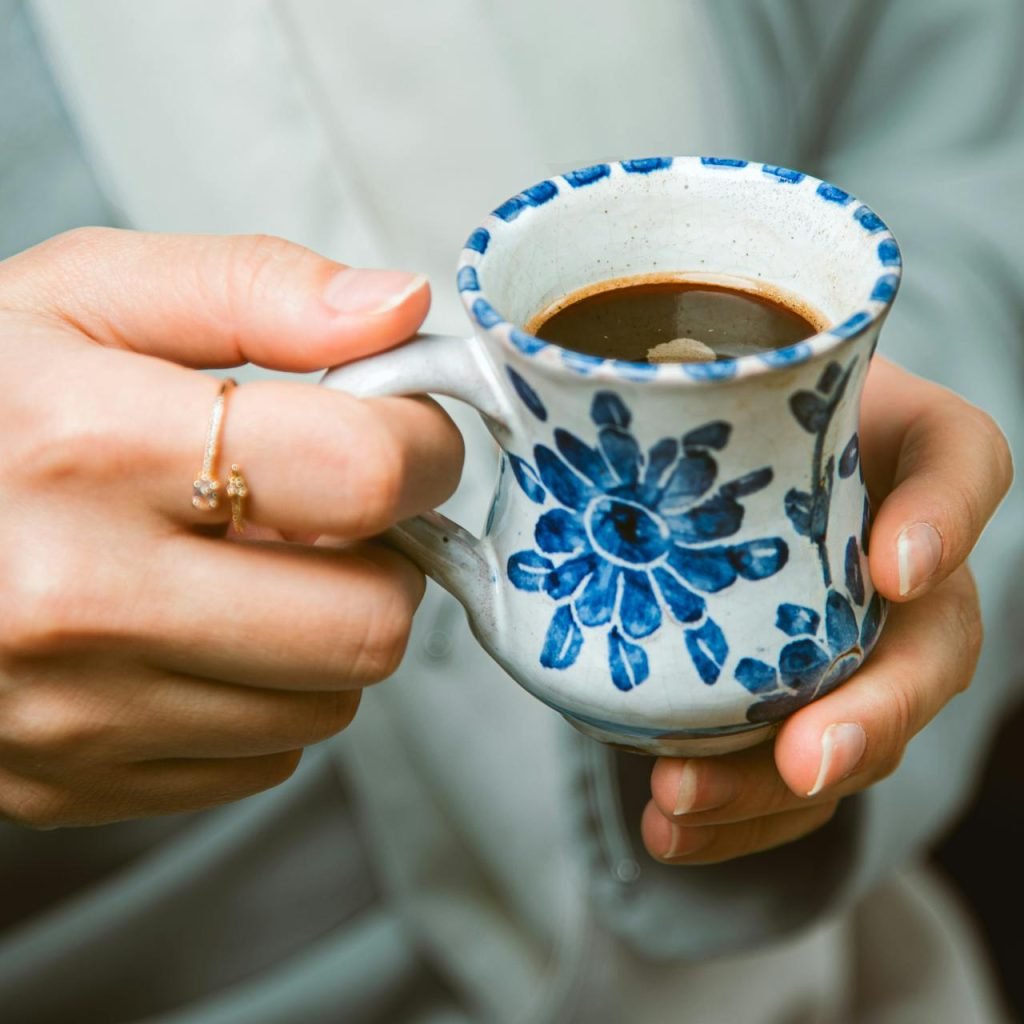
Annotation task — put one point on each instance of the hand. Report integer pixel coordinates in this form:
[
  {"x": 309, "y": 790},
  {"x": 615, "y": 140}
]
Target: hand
[
  {"x": 148, "y": 665},
  {"x": 942, "y": 467}
]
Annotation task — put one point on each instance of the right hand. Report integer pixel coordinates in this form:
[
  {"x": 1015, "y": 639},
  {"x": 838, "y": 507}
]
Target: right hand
[{"x": 148, "y": 665}]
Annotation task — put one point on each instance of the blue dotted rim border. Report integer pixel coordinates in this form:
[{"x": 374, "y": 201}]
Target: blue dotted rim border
[{"x": 484, "y": 314}]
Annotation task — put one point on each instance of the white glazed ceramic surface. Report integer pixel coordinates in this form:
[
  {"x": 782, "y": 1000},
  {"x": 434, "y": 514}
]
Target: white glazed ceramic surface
[{"x": 675, "y": 558}]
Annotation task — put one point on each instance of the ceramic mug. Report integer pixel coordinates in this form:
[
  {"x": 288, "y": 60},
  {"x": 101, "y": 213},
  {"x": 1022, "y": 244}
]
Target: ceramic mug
[{"x": 675, "y": 555}]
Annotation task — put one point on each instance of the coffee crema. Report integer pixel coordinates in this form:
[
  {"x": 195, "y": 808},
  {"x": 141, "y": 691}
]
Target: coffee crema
[{"x": 663, "y": 318}]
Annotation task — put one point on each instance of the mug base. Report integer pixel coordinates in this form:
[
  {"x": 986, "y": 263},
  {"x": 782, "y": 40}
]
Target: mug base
[{"x": 695, "y": 745}]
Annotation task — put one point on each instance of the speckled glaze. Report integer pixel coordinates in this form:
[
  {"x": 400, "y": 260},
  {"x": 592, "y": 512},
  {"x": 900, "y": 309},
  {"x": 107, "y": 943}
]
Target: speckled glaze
[{"x": 675, "y": 556}]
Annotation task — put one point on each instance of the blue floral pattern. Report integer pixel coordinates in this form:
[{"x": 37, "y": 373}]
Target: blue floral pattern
[
  {"x": 809, "y": 666},
  {"x": 635, "y": 541}
]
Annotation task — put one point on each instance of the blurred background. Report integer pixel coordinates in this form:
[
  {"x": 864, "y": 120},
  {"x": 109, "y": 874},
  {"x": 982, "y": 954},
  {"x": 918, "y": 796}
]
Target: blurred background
[
  {"x": 981, "y": 853},
  {"x": 982, "y": 856}
]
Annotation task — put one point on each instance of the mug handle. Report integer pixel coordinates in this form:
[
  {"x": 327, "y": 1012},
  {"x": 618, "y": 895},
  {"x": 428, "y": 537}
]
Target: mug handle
[{"x": 439, "y": 364}]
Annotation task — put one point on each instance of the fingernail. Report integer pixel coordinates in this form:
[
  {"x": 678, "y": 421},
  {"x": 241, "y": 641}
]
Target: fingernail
[
  {"x": 842, "y": 747},
  {"x": 918, "y": 553},
  {"x": 356, "y": 292},
  {"x": 702, "y": 789},
  {"x": 688, "y": 840}
]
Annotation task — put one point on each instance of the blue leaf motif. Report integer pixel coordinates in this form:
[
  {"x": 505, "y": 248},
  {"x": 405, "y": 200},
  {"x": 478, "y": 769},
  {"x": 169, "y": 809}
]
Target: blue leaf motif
[
  {"x": 707, "y": 569},
  {"x": 530, "y": 397},
  {"x": 628, "y": 662},
  {"x": 683, "y": 603},
  {"x": 865, "y": 526},
  {"x": 840, "y": 623},
  {"x": 622, "y": 452},
  {"x": 570, "y": 489},
  {"x": 659, "y": 458},
  {"x": 801, "y": 664},
  {"x": 560, "y": 532},
  {"x": 565, "y": 579},
  {"x": 608, "y": 410},
  {"x": 583, "y": 458},
  {"x": 759, "y": 559},
  {"x": 563, "y": 642},
  {"x": 849, "y": 459},
  {"x": 526, "y": 477},
  {"x": 854, "y": 579},
  {"x": 829, "y": 378},
  {"x": 798, "y": 505},
  {"x": 749, "y": 483},
  {"x": 639, "y": 611},
  {"x": 711, "y": 435},
  {"x": 527, "y": 570},
  {"x": 691, "y": 478},
  {"x": 597, "y": 602},
  {"x": 708, "y": 650},
  {"x": 718, "y": 517},
  {"x": 756, "y": 676},
  {"x": 811, "y": 411},
  {"x": 797, "y": 620}
]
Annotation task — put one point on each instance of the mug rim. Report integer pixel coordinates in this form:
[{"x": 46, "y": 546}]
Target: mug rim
[{"x": 553, "y": 357}]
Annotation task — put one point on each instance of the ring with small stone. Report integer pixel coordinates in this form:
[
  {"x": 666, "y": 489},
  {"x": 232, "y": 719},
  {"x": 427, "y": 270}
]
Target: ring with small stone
[{"x": 206, "y": 488}]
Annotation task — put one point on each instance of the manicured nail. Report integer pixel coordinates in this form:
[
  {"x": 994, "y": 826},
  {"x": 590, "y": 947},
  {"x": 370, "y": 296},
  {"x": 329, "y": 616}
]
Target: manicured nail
[
  {"x": 356, "y": 292},
  {"x": 918, "y": 553},
  {"x": 688, "y": 840},
  {"x": 702, "y": 789},
  {"x": 842, "y": 747}
]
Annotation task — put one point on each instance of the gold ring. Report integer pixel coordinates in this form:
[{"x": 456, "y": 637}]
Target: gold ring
[
  {"x": 237, "y": 490},
  {"x": 206, "y": 488}
]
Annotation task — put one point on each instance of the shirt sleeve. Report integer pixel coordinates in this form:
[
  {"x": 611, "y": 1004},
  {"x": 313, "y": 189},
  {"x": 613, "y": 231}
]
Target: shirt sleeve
[{"x": 914, "y": 108}]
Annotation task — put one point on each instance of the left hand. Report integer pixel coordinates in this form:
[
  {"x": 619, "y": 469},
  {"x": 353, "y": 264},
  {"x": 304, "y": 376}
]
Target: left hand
[{"x": 942, "y": 466}]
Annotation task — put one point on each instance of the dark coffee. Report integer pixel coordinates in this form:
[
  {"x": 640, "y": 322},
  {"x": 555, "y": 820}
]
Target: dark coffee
[{"x": 673, "y": 321}]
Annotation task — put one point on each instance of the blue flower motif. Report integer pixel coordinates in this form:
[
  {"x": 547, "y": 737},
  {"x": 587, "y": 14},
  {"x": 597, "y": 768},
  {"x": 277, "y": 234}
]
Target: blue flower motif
[
  {"x": 810, "y": 667},
  {"x": 635, "y": 540}
]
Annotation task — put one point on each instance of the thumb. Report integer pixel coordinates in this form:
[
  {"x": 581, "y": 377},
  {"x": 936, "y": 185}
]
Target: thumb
[{"x": 211, "y": 300}]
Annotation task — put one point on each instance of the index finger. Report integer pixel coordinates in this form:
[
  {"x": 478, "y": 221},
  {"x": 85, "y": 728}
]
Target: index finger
[{"x": 316, "y": 461}]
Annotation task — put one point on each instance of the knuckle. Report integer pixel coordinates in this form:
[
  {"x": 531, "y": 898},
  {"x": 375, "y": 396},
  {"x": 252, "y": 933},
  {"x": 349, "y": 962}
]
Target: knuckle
[
  {"x": 998, "y": 447},
  {"x": 885, "y": 763},
  {"x": 276, "y": 769},
  {"x": 888, "y": 765},
  {"x": 48, "y": 602},
  {"x": 902, "y": 709},
  {"x": 380, "y": 473},
  {"x": 255, "y": 264},
  {"x": 887, "y": 743},
  {"x": 67, "y": 445},
  {"x": 48, "y": 727},
  {"x": 34, "y": 806},
  {"x": 384, "y": 639},
  {"x": 333, "y": 712},
  {"x": 78, "y": 243},
  {"x": 967, "y": 627}
]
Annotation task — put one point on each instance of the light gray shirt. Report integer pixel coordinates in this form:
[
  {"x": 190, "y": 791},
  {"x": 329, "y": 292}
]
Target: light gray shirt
[{"x": 515, "y": 886}]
